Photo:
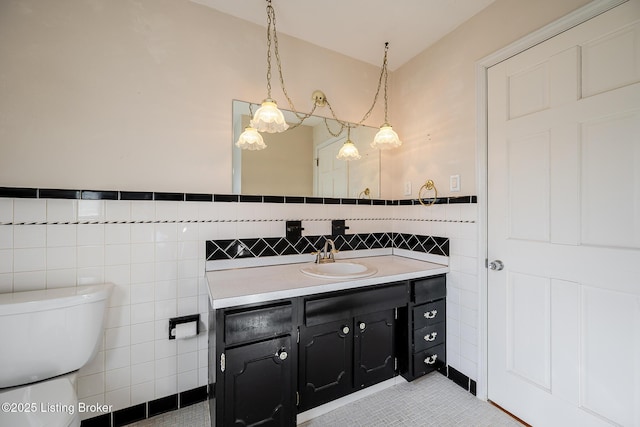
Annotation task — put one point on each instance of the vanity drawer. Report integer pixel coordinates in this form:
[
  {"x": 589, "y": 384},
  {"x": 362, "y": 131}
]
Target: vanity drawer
[
  {"x": 429, "y": 360},
  {"x": 347, "y": 305},
  {"x": 429, "y": 289},
  {"x": 429, "y": 336},
  {"x": 257, "y": 324},
  {"x": 429, "y": 314}
]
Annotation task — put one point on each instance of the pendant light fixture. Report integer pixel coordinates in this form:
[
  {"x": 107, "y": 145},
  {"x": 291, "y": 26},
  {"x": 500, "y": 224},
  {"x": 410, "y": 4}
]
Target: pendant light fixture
[
  {"x": 251, "y": 140},
  {"x": 386, "y": 137},
  {"x": 269, "y": 118},
  {"x": 348, "y": 151}
]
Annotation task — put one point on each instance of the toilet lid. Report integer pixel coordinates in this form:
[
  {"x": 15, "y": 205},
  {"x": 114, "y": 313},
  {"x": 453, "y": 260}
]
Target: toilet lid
[{"x": 45, "y": 404}]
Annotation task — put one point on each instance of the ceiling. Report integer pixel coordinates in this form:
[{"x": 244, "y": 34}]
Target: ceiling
[{"x": 359, "y": 28}]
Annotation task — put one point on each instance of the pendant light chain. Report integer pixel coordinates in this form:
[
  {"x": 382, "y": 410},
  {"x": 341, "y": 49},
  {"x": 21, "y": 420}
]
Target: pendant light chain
[
  {"x": 268, "y": 118},
  {"x": 272, "y": 37},
  {"x": 386, "y": 75},
  {"x": 270, "y": 13},
  {"x": 273, "y": 34},
  {"x": 383, "y": 75}
]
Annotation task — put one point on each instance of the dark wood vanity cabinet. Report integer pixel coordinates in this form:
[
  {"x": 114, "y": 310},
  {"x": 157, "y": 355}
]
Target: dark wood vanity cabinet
[
  {"x": 276, "y": 359},
  {"x": 256, "y": 360},
  {"x": 347, "y": 342}
]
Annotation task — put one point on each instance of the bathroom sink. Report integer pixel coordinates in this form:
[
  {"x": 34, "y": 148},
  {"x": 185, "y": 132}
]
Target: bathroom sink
[{"x": 339, "y": 270}]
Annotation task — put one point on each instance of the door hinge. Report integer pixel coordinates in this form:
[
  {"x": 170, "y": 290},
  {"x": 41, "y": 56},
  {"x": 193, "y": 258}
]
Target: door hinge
[
  {"x": 298, "y": 336},
  {"x": 395, "y": 363},
  {"x": 486, "y": 263},
  {"x": 223, "y": 362},
  {"x": 317, "y": 161},
  {"x": 395, "y": 314},
  {"x": 297, "y": 399}
]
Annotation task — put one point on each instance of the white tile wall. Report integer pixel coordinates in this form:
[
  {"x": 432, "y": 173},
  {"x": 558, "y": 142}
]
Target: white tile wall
[{"x": 158, "y": 266}]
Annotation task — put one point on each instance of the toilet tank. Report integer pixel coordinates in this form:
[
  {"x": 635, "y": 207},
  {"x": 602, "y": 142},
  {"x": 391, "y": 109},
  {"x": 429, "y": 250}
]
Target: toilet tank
[{"x": 51, "y": 332}]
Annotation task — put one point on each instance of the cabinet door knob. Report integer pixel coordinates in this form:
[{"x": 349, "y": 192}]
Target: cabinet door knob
[
  {"x": 362, "y": 326},
  {"x": 345, "y": 330},
  {"x": 282, "y": 354},
  {"x": 431, "y": 337},
  {"x": 431, "y": 360},
  {"x": 431, "y": 314}
]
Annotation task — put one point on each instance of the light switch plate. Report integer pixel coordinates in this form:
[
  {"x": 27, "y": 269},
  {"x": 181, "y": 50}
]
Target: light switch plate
[
  {"x": 454, "y": 183},
  {"x": 407, "y": 188}
]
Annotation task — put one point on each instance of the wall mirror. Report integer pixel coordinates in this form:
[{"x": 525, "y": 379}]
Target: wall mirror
[{"x": 302, "y": 161}]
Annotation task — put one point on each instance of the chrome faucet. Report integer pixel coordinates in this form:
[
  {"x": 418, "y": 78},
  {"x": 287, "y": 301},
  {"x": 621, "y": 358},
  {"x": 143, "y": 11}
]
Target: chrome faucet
[{"x": 325, "y": 255}]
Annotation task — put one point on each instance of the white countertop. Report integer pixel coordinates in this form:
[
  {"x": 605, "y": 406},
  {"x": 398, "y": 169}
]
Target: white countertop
[{"x": 233, "y": 287}]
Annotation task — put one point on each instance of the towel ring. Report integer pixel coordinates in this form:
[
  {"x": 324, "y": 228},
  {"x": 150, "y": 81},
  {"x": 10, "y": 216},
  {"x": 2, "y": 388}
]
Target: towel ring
[
  {"x": 429, "y": 185},
  {"x": 365, "y": 194}
]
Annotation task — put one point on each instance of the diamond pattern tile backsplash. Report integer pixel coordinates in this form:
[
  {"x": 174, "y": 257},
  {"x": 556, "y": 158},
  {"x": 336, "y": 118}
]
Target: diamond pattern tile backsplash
[{"x": 276, "y": 246}]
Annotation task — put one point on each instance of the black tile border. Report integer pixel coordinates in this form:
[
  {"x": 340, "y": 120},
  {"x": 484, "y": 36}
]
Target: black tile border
[
  {"x": 129, "y": 415},
  {"x": 53, "y": 193},
  {"x": 250, "y": 199},
  {"x": 193, "y": 396},
  {"x": 462, "y": 380},
  {"x": 169, "y": 197},
  {"x": 19, "y": 193},
  {"x": 162, "y": 405},
  {"x": 225, "y": 198},
  {"x": 136, "y": 195},
  {"x": 228, "y": 249},
  {"x": 192, "y": 197},
  {"x": 149, "y": 409},
  {"x": 99, "y": 421},
  {"x": 59, "y": 194}
]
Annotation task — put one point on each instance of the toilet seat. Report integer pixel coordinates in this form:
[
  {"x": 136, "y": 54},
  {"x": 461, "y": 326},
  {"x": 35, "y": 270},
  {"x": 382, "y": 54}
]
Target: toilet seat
[{"x": 51, "y": 403}]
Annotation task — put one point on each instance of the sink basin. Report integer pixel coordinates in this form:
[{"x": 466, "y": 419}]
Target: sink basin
[{"x": 339, "y": 270}]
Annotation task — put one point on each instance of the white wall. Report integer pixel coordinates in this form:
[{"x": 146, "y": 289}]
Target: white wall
[{"x": 136, "y": 95}]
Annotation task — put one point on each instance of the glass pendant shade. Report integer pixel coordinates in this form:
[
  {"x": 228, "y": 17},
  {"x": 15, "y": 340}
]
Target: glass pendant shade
[
  {"x": 268, "y": 118},
  {"x": 348, "y": 151},
  {"x": 386, "y": 138},
  {"x": 250, "y": 139}
]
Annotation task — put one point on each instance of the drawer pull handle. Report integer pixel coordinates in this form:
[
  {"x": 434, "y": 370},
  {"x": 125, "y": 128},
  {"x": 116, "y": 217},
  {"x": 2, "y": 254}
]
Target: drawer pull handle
[
  {"x": 431, "y": 360},
  {"x": 282, "y": 354},
  {"x": 362, "y": 326},
  {"x": 431, "y": 314},
  {"x": 345, "y": 330},
  {"x": 431, "y": 337}
]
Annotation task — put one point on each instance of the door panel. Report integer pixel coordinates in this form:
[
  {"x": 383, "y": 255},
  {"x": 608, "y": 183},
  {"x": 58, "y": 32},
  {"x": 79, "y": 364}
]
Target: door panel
[
  {"x": 252, "y": 369},
  {"x": 325, "y": 363},
  {"x": 611, "y": 61},
  {"x": 605, "y": 147},
  {"x": 528, "y": 343},
  {"x": 564, "y": 217},
  {"x": 374, "y": 346},
  {"x": 528, "y": 157}
]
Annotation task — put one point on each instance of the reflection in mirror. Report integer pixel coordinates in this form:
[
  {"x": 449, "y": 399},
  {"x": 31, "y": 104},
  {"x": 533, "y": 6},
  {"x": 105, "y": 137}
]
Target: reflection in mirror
[{"x": 302, "y": 161}]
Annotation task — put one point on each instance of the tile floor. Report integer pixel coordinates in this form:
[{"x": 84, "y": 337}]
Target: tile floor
[{"x": 432, "y": 400}]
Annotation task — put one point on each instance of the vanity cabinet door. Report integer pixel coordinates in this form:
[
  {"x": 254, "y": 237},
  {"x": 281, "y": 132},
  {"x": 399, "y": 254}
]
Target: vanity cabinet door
[
  {"x": 258, "y": 386},
  {"x": 325, "y": 359},
  {"x": 374, "y": 348}
]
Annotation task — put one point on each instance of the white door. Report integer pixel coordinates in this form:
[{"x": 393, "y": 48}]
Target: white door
[
  {"x": 564, "y": 218},
  {"x": 332, "y": 174}
]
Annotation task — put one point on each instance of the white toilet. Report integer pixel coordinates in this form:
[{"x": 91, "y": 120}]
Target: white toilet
[{"x": 46, "y": 336}]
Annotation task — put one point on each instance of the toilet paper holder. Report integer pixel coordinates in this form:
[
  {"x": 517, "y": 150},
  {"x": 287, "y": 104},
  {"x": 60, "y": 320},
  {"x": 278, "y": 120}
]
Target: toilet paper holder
[{"x": 175, "y": 321}]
